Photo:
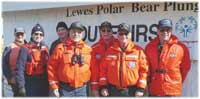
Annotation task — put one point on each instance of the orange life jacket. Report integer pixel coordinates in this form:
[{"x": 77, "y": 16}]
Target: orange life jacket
[{"x": 39, "y": 58}]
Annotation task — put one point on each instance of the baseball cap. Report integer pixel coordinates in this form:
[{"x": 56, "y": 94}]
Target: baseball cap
[
  {"x": 165, "y": 23},
  {"x": 19, "y": 30},
  {"x": 106, "y": 24},
  {"x": 124, "y": 26},
  {"x": 77, "y": 25}
]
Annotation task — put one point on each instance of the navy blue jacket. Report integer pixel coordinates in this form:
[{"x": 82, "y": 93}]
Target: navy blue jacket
[
  {"x": 23, "y": 57},
  {"x": 53, "y": 45}
]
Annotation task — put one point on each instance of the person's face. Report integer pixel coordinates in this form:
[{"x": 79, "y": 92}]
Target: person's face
[
  {"x": 20, "y": 36},
  {"x": 164, "y": 34},
  {"x": 123, "y": 36},
  {"x": 76, "y": 34},
  {"x": 106, "y": 33},
  {"x": 62, "y": 32},
  {"x": 37, "y": 36}
]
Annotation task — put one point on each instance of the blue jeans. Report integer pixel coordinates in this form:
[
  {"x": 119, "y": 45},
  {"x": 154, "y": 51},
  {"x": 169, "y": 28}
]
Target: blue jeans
[{"x": 76, "y": 92}]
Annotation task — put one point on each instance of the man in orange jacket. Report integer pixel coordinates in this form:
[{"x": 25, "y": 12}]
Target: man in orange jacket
[
  {"x": 69, "y": 65},
  {"x": 169, "y": 62},
  {"x": 124, "y": 68},
  {"x": 98, "y": 51}
]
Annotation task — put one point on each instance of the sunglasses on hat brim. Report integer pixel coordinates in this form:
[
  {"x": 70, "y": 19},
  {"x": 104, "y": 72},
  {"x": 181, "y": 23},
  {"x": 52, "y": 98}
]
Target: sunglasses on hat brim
[
  {"x": 19, "y": 34},
  {"x": 38, "y": 34},
  {"x": 123, "y": 32},
  {"x": 104, "y": 30}
]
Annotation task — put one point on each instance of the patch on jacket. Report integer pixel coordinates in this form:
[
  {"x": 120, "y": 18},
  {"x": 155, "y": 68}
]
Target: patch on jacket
[
  {"x": 131, "y": 57},
  {"x": 172, "y": 55},
  {"x": 132, "y": 64},
  {"x": 98, "y": 56}
]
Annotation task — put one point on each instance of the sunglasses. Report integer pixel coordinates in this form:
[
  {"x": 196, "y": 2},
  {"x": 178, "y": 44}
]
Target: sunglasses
[
  {"x": 39, "y": 34},
  {"x": 123, "y": 33},
  {"x": 163, "y": 30},
  {"x": 106, "y": 30},
  {"x": 19, "y": 34}
]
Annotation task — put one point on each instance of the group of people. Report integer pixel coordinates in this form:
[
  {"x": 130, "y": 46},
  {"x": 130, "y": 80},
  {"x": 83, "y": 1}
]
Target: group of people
[{"x": 114, "y": 66}]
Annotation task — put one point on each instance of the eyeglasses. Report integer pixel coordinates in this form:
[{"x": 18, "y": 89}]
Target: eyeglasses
[
  {"x": 106, "y": 30},
  {"x": 123, "y": 33},
  {"x": 166, "y": 29},
  {"x": 19, "y": 34},
  {"x": 39, "y": 34}
]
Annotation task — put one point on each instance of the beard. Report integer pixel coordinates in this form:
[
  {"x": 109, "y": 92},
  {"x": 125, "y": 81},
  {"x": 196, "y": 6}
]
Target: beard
[{"x": 76, "y": 39}]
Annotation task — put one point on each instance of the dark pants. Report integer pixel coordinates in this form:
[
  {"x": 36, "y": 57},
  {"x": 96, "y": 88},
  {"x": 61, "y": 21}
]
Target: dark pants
[
  {"x": 150, "y": 95},
  {"x": 129, "y": 91},
  {"x": 15, "y": 90},
  {"x": 37, "y": 85}
]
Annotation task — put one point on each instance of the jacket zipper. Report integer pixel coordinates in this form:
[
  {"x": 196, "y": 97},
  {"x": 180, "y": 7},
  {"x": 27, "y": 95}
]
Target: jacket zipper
[{"x": 120, "y": 70}]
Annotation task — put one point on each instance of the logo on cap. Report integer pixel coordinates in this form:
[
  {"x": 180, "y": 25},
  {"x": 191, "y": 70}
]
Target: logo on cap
[{"x": 186, "y": 26}]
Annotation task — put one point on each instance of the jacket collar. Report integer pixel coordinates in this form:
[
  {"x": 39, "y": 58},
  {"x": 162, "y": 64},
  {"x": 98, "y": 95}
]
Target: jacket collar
[
  {"x": 110, "y": 42},
  {"x": 173, "y": 39},
  {"x": 70, "y": 42},
  {"x": 129, "y": 48}
]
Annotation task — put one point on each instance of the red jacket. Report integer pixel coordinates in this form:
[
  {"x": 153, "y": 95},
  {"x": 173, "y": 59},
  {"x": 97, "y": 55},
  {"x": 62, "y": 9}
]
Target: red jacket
[
  {"x": 124, "y": 69},
  {"x": 98, "y": 51},
  {"x": 174, "y": 59},
  {"x": 60, "y": 67}
]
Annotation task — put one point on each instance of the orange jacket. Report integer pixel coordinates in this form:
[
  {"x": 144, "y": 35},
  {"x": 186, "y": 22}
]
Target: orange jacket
[
  {"x": 60, "y": 67},
  {"x": 39, "y": 57},
  {"x": 174, "y": 59},
  {"x": 98, "y": 51},
  {"x": 124, "y": 69}
]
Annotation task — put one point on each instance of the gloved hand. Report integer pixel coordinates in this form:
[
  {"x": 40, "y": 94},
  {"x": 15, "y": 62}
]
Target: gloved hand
[
  {"x": 139, "y": 92},
  {"x": 21, "y": 92},
  {"x": 56, "y": 93},
  {"x": 95, "y": 93}
]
